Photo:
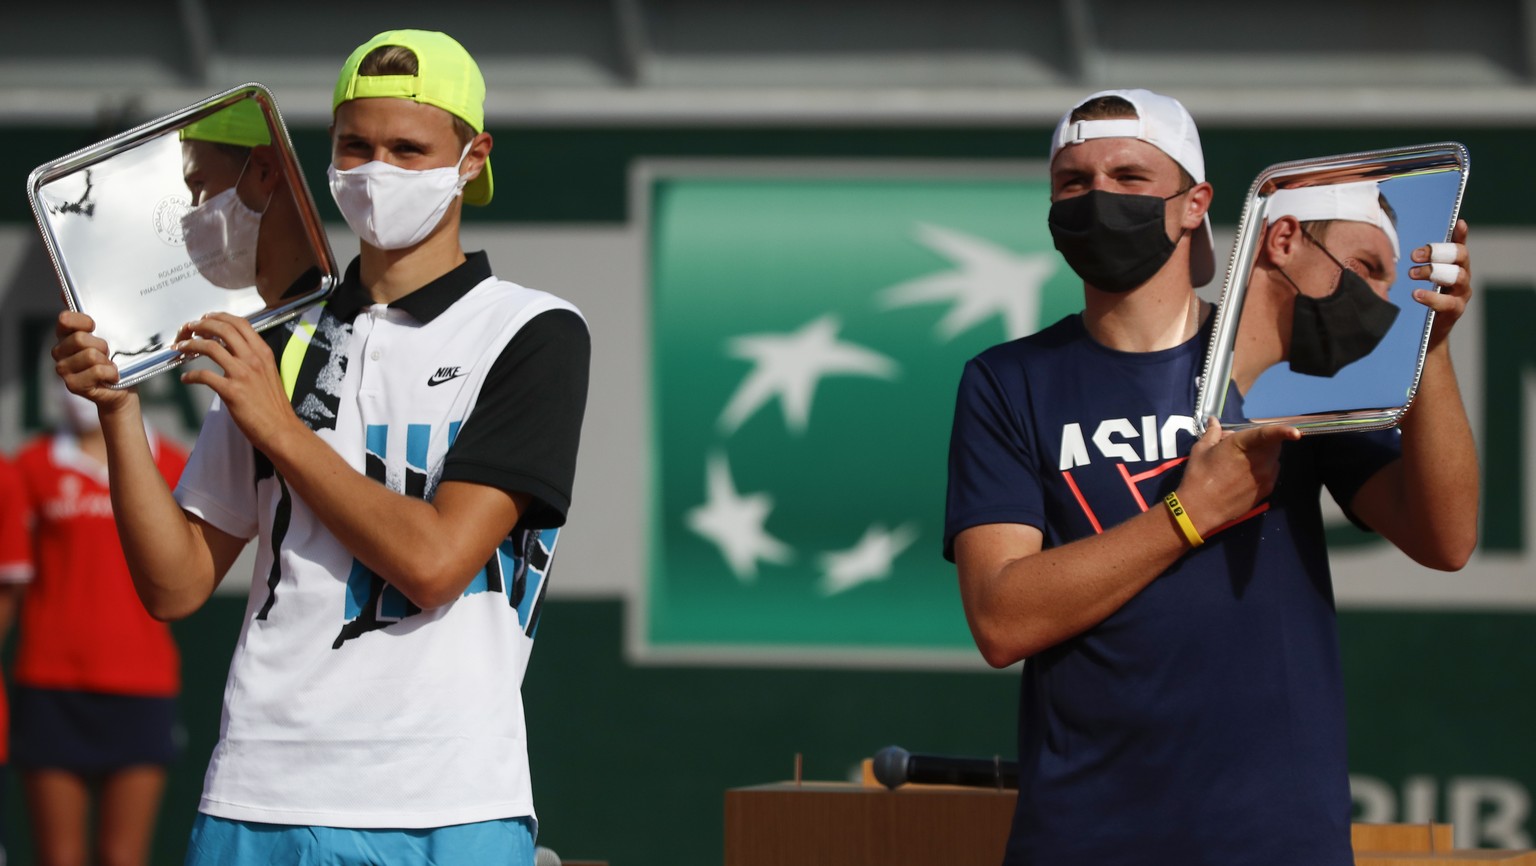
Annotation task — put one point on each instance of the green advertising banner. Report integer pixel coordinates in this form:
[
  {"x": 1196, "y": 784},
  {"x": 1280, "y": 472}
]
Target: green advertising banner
[{"x": 808, "y": 336}]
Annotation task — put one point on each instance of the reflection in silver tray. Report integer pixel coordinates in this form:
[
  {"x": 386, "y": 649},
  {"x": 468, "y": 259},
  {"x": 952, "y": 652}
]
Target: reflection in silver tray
[
  {"x": 1317, "y": 327},
  {"x": 203, "y": 210}
]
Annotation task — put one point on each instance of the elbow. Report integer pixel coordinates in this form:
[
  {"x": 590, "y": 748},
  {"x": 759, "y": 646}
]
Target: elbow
[
  {"x": 429, "y": 599},
  {"x": 1001, "y": 647},
  {"x": 1449, "y": 536},
  {"x": 1452, "y": 556},
  {"x": 1006, "y": 629},
  {"x": 1460, "y": 557},
  {"x": 170, "y": 609},
  {"x": 425, "y": 595},
  {"x": 429, "y": 585},
  {"x": 170, "y": 603},
  {"x": 997, "y": 656},
  {"x": 1449, "y": 549}
]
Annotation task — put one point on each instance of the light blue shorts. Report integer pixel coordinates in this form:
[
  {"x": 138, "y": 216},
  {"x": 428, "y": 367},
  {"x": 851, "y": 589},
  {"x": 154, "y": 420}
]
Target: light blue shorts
[{"x": 222, "y": 842}]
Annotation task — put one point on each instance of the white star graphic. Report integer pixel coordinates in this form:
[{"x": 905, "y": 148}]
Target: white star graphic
[
  {"x": 868, "y": 560},
  {"x": 734, "y": 523},
  {"x": 791, "y": 365},
  {"x": 987, "y": 281}
]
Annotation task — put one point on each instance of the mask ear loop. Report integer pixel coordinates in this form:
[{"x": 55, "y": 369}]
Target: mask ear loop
[
  {"x": 1327, "y": 252},
  {"x": 1288, "y": 279},
  {"x": 464, "y": 179},
  {"x": 240, "y": 177},
  {"x": 1183, "y": 232},
  {"x": 1319, "y": 244}
]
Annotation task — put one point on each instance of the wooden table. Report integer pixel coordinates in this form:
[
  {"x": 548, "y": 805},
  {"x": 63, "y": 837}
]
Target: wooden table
[{"x": 845, "y": 824}]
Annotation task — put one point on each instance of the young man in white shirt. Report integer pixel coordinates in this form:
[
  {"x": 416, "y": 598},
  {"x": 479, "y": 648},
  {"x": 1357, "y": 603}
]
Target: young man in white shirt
[{"x": 404, "y": 455}]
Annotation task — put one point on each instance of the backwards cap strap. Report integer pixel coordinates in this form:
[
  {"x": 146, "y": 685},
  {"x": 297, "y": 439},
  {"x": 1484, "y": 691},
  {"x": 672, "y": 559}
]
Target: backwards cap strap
[
  {"x": 370, "y": 86},
  {"x": 1085, "y": 130}
]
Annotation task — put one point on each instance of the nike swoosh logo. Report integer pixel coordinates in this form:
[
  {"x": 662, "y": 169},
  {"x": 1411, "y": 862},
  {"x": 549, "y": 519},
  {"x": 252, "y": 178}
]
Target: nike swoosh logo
[{"x": 443, "y": 375}]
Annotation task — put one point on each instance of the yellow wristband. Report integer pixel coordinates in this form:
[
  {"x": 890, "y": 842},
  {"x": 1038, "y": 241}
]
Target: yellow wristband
[{"x": 1181, "y": 517}]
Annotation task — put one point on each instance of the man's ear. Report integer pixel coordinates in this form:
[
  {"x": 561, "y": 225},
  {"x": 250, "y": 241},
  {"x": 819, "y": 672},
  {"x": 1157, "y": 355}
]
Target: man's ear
[
  {"x": 1281, "y": 239},
  {"x": 479, "y": 152},
  {"x": 1196, "y": 203},
  {"x": 266, "y": 167}
]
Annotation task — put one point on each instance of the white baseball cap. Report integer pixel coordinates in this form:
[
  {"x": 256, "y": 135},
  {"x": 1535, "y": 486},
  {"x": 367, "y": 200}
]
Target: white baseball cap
[
  {"x": 1162, "y": 122},
  {"x": 1359, "y": 202}
]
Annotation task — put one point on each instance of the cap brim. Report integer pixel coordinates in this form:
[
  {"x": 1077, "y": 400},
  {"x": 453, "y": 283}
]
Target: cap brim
[
  {"x": 478, "y": 191},
  {"x": 1202, "y": 255}
]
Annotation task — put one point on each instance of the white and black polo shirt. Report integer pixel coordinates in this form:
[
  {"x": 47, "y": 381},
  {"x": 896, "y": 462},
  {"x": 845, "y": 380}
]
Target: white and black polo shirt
[{"x": 346, "y": 705}]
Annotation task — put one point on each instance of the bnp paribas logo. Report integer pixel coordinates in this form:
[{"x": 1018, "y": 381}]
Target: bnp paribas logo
[{"x": 808, "y": 334}]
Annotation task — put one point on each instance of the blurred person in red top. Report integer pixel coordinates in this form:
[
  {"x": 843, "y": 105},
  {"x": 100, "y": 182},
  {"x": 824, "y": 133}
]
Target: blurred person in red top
[
  {"x": 95, "y": 677},
  {"x": 15, "y": 570}
]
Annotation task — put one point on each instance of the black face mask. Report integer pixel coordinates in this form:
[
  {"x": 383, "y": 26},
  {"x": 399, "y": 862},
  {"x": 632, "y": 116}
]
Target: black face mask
[
  {"x": 1114, "y": 241},
  {"x": 1332, "y": 332}
]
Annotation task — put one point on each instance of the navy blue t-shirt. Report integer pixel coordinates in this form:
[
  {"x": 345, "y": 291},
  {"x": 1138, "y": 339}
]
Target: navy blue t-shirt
[{"x": 1202, "y": 722}]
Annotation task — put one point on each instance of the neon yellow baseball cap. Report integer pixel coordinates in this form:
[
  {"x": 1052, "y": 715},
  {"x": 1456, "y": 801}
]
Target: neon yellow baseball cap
[
  {"x": 241, "y": 124},
  {"x": 447, "y": 77}
]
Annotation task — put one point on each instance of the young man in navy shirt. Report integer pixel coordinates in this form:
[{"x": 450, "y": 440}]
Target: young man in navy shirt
[{"x": 1182, "y": 696}]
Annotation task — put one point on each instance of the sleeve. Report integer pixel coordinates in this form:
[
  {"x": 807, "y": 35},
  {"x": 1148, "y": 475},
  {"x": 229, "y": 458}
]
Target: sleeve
[
  {"x": 993, "y": 474},
  {"x": 219, "y": 481},
  {"x": 15, "y": 535},
  {"x": 1347, "y": 460},
  {"x": 522, "y": 433}
]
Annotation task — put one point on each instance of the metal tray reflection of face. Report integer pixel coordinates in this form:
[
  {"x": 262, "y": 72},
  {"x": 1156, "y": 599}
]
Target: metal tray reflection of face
[
  {"x": 201, "y": 211},
  {"x": 1317, "y": 325}
]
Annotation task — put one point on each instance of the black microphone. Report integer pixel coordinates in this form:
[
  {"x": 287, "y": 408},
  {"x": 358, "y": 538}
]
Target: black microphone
[{"x": 895, "y": 766}]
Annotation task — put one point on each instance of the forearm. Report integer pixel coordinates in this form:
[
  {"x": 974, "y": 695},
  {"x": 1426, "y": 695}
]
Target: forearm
[
  {"x": 1036, "y": 601},
  {"x": 171, "y": 565},
  {"x": 1020, "y": 599},
  {"x": 1436, "y": 482},
  {"x": 1426, "y": 503},
  {"x": 406, "y": 541}
]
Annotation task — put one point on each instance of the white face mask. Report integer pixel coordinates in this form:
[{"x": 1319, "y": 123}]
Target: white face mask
[
  {"x": 221, "y": 238},
  {"x": 393, "y": 208}
]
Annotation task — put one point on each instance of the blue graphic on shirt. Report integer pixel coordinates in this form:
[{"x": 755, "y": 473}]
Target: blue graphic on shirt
[
  {"x": 517, "y": 569},
  {"x": 530, "y": 568}
]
